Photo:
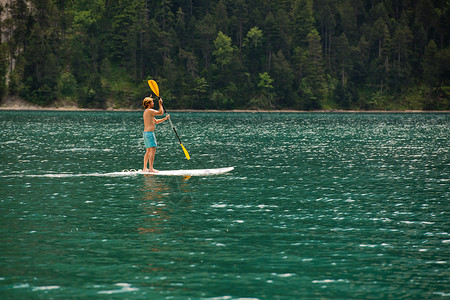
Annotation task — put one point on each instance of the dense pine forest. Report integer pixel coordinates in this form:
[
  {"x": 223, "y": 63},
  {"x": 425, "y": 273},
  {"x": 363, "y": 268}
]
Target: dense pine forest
[{"x": 228, "y": 54}]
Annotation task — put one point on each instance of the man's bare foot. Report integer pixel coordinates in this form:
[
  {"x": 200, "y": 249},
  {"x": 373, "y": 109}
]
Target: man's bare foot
[
  {"x": 145, "y": 170},
  {"x": 153, "y": 171}
]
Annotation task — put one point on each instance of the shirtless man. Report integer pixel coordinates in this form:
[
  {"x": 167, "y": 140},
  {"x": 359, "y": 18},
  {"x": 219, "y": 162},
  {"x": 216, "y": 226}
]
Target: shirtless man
[{"x": 149, "y": 131}]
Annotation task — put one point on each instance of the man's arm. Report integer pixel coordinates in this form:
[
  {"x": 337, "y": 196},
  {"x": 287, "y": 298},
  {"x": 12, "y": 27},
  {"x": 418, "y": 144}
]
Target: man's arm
[
  {"x": 158, "y": 112},
  {"x": 161, "y": 109},
  {"x": 159, "y": 121}
]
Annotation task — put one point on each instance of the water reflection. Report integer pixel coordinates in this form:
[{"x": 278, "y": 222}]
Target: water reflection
[
  {"x": 154, "y": 192},
  {"x": 161, "y": 196},
  {"x": 174, "y": 190},
  {"x": 165, "y": 203}
]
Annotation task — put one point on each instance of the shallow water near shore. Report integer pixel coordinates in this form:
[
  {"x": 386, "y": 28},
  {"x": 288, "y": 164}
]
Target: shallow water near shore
[{"x": 319, "y": 205}]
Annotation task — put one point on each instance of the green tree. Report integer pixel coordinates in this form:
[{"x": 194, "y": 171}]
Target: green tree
[
  {"x": 431, "y": 66},
  {"x": 223, "y": 49},
  {"x": 191, "y": 62},
  {"x": 380, "y": 64},
  {"x": 200, "y": 88},
  {"x": 342, "y": 96},
  {"x": 93, "y": 95},
  {"x": 402, "y": 39},
  {"x": 343, "y": 56},
  {"x": 121, "y": 14},
  {"x": 283, "y": 80},
  {"x": 221, "y": 16},
  {"x": 326, "y": 16},
  {"x": 303, "y": 21},
  {"x": 206, "y": 30},
  {"x": 238, "y": 20},
  {"x": 265, "y": 83},
  {"x": 314, "y": 70},
  {"x": 254, "y": 37},
  {"x": 18, "y": 27},
  {"x": 41, "y": 70},
  {"x": 254, "y": 52},
  {"x": 348, "y": 14},
  {"x": 401, "y": 43}
]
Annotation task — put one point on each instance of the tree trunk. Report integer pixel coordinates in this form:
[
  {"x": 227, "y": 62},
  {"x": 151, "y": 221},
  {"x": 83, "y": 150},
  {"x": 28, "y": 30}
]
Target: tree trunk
[
  {"x": 141, "y": 68},
  {"x": 379, "y": 48},
  {"x": 329, "y": 51}
]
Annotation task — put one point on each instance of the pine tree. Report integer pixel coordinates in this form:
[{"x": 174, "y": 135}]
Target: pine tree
[{"x": 303, "y": 21}]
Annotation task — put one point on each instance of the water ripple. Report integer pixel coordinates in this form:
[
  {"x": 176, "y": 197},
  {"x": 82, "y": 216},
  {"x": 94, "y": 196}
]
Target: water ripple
[{"x": 318, "y": 206}]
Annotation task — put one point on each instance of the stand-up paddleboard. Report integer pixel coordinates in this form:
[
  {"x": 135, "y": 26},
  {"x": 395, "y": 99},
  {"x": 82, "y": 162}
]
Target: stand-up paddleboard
[{"x": 194, "y": 172}]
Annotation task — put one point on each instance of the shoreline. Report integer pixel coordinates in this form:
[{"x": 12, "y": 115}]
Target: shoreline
[
  {"x": 110, "y": 109},
  {"x": 18, "y": 104},
  {"x": 77, "y": 109}
]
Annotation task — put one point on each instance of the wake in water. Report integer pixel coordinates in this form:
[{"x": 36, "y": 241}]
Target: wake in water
[
  {"x": 62, "y": 175},
  {"x": 126, "y": 172}
]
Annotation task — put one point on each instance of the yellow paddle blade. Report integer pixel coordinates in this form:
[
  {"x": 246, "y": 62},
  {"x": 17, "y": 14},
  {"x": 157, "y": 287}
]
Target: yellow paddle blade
[
  {"x": 185, "y": 152},
  {"x": 154, "y": 86}
]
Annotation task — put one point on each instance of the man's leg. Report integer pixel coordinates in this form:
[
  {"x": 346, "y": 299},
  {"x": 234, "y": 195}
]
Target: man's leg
[
  {"x": 146, "y": 156},
  {"x": 152, "y": 159}
]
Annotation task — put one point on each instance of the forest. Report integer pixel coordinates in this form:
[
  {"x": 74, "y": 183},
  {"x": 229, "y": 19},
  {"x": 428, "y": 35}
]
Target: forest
[{"x": 228, "y": 54}]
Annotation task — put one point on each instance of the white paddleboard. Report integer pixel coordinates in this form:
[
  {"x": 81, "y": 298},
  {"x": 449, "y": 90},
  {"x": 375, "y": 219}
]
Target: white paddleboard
[{"x": 194, "y": 172}]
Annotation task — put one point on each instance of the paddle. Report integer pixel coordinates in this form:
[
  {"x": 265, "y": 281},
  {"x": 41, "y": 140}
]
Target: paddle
[{"x": 154, "y": 86}]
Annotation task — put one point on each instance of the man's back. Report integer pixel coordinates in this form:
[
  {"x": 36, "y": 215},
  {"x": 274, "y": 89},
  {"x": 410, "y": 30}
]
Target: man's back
[{"x": 149, "y": 119}]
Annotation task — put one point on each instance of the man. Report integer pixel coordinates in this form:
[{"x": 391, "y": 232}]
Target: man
[{"x": 149, "y": 131}]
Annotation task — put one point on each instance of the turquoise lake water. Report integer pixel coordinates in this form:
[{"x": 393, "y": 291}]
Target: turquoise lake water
[{"x": 319, "y": 205}]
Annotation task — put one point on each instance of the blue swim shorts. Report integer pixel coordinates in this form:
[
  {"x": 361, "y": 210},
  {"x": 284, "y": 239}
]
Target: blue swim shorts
[{"x": 149, "y": 139}]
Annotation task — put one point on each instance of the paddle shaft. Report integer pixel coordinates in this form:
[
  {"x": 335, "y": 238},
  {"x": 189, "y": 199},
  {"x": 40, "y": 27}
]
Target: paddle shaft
[{"x": 172, "y": 125}]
